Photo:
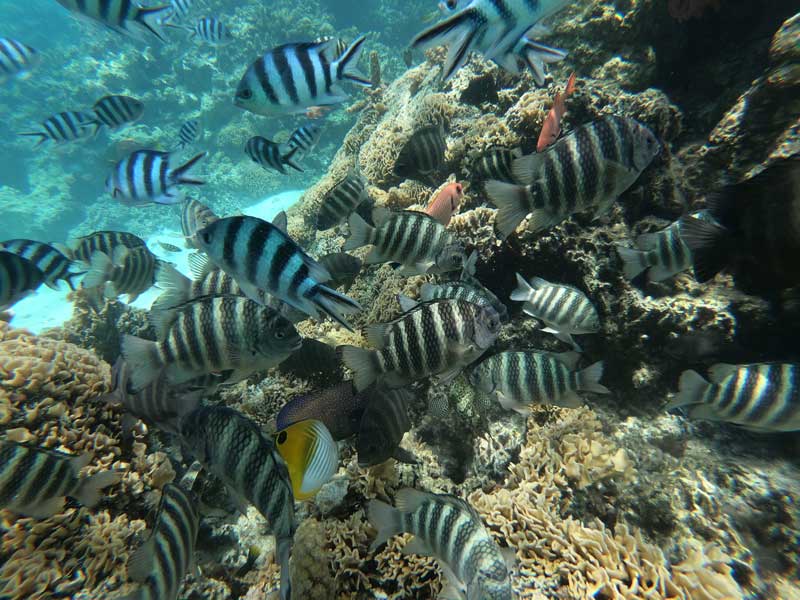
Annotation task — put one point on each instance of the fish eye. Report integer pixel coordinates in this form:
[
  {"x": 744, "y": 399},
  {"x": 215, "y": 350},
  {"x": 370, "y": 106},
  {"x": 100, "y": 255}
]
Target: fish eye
[
  {"x": 246, "y": 94},
  {"x": 282, "y": 437},
  {"x": 280, "y": 334}
]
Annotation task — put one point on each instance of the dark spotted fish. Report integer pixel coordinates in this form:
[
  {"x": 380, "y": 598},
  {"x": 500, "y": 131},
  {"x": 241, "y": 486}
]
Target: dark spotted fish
[{"x": 340, "y": 407}]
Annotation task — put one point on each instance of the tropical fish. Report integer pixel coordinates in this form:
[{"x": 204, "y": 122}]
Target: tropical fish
[
  {"x": 53, "y": 264},
  {"x": 762, "y": 397},
  {"x": 65, "y": 127},
  {"x": 233, "y": 448},
  {"x": 451, "y": 530},
  {"x": 343, "y": 267},
  {"x": 339, "y": 407},
  {"x": 180, "y": 9},
  {"x": 116, "y": 111},
  {"x": 496, "y": 163},
  {"x": 446, "y": 202},
  {"x": 337, "y": 46},
  {"x": 517, "y": 379},
  {"x": 189, "y": 133},
  {"x": 269, "y": 155},
  {"x": 585, "y": 170},
  {"x": 169, "y": 247},
  {"x": 461, "y": 290},
  {"x": 130, "y": 271},
  {"x": 160, "y": 564},
  {"x": 423, "y": 153},
  {"x": 146, "y": 176},
  {"x": 19, "y": 277},
  {"x": 211, "y": 335},
  {"x": 565, "y": 310},
  {"x": 294, "y": 77},
  {"x": 34, "y": 481},
  {"x": 83, "y": 248},
  {"x": 551, "y": 128},
  {"x": 195, "y": 216},
  {"x": 341, "y": 200},
  {"x": 316, "y": 362},
  {"x": 433, "y": 339},
  {"x": 262, "y": 257},
  {"x": 16, "y": 59},
  {"x": 311, "y": 456},
  {"x": 123, "y": 16},
  {"x": 415, "y": 240},
  {"x": 211, "y": 30},
  {"x": 306, "y": 137},
  {"x": 383, "y": 424}
]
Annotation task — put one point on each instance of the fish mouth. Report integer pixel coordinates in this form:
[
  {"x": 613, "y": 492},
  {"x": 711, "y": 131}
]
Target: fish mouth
[{"x": 297, "y": 345}]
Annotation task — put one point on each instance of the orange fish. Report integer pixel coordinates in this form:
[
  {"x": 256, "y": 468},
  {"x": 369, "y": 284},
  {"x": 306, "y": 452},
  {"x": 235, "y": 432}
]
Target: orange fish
[
  {"x": 552, "y": 123},
  {"x": 446, "y": 202},
  {"x": 316, "y": 112}
]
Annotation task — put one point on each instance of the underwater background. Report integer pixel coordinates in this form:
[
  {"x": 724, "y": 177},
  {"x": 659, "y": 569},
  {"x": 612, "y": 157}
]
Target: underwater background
[{"x": 613, "y": 498}]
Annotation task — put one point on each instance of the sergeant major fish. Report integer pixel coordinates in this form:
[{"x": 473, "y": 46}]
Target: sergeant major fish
[
  {"x": 343, "y": 267},
  {"x": 123, "y": 16},
  {"x": 269, "y": 155},
  {"x": 423, "y": 154},
  {"x": 19, "y": 277},
  {"x": 341, "y": 200},
  {"x": 496, "y": 163},
  {"x": 189, "y": 133},
  {"x": 383, "y": 424},
  {"x": 463, "y": 290},
  {"x": 117, "y": 111},
  {"x": 146, "y": 176},
  {"x": 53, "y": 264},
  {"x": 83, "y": 248},
  {"x": 64, "y": 127},
  {"x": 306, "y": 137},
  {"x": 16, "y": 59},
  {"x": 195, "y": 216},
  {"x": 212, "y": 31},
  {"x": 130, "y": 271}
]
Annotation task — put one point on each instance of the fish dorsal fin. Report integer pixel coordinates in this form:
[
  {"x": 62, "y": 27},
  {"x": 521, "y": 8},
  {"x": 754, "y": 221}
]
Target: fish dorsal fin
[
  {"x": 717, "y": 373},
  {"x": 162, "y": 321},
  {"x": 537, "y": 283},
  {"x": 427, "y": 291},
  {"x": 199, "y": 265},
  {"x": 78, "y": 462},
  {"x": 378, "y": 335},
  {"x": 526, "y": 169},
  {"x": 408, "y": 500},
  {"x": 380, "y": 215},
  {"x": 647, "y": 241},
  {"x": 470, "y": 265},
  {"x": 569, "y": 359},
  {"x": 406, "y": 303},
  {"x": 281, "y": 221}
]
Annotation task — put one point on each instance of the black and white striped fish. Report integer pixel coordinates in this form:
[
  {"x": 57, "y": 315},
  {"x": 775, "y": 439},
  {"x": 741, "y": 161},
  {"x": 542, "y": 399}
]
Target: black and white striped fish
[
  {"x": 343, "y": 267},
  {"x": 763, "y": 397},
  {"x": 293, "y": 77},
  {"x": 195, "y": 216},
  {"x": 212, "y": 31},
  {"x": 83, "y": 248},
  {"x": 518, "y": 379},
  {"x": 414, "y": 239},
  {"x": 341, "y": 200},
  {"x": 269, "y": 155},
  {"x": 117, "y": 111},
  {"x": 234, "y": 449},
  {"x": 460, "y": 290},
  {"x": 65, "y": 127},
  {"x": 496, "y": 163},
  {"x": 423, "y": 154},
  {"x": 123, "y": 16},
  {"x": 382, "y": 427},
  {"x": 161, "y": 562},
  {"x": 585, "y": 170},
  {"x": 190, "y": 132},
  {"x": 16, "y": 59},
  {"x": 449, "y": 529},
  {"x": 262, "y": 257},
  {"x": 34, "y": 481},
  {"x": 565, "y": 310},
  {"x": 19, "y": 277},
  {"x": 336, "y": 46},
  {"x": 436, "y": 339},
  {"x": 180, "y": 9},
  {"x": 306, "y": 137},
  {"x": 211, "y": 335},
  {"x": 52, "y": 263},
  {"x": 146, "y": 176},
  {"x": 130, "y": 271}
]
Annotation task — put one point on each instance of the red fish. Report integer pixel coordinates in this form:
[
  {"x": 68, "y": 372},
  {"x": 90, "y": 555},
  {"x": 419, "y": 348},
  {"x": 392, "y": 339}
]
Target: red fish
[
  {"x": 446, "y": 202},
  {"x": 552, "y": 123}
]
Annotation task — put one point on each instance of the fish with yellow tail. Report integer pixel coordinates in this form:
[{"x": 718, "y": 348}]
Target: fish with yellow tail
[{"x": 310, "y": 454}]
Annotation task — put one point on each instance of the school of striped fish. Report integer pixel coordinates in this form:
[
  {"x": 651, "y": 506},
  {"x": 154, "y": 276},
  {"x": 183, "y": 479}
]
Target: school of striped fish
[{"x": 251, "y": 283}]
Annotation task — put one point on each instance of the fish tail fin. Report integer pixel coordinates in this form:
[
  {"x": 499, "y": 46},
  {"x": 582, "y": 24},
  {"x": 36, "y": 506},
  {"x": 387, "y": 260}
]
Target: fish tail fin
[
  {"x": 89, "y": 493},
  {"x": 386, "y": 519},
  {"x": 363, "y": 362},
  {"x": 143, "y": 358},
  {"x": 459, "y": 32},
  {"x": 284, "y": 553},
  {"x": 335, "y": 304},
  {"x": 536, "y": 55},
  {"x": 710, "y": 245},
  {"x": 40, "y": 134},
  {"x": 69, "y": 277},
  {"x": 361, "y": 233},
  {"x": 176, "y": 286},
  {"x": 633, "y": 261},
  {"x": 289, "y": 159},
  {"x": 347, "y": 64},
  {"x": 588, "y": 379},
  {"x": 100, "y": 270},
  {"x": 153, "y": 18},
  {"x": 524, "y": 290},
  {"x": 691, "y": 388},
  {"x": 180, "y": 175},
  {"x": 512, "y": 203}
]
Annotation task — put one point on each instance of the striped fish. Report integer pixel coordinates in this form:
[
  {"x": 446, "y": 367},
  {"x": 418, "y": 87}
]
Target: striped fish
[
  {"x": 167, "y": 247},
  {"x": 180, "y": 9},
  {"x": 64, "y": 127},
  {"x": 50, "y": 261},
  {"x": 565, "y": 310},
  {"x": 16, "y": 59},
  {"x": 189, "y": 133},
  {"x": 269, "y": 155},
  {"x": 123, "y": 16},
  {"x": 762, "y": 397},
  {"x": 336, "y": 46},
  {"x": 342, "y": 199},
  {"x": 130, "y": 271},
  {"x": 382, "y": 427},
  {"x": 234, "y": 449},
  {"x": 585, "y": 170},
  {"x": 461, "y": 290},
  {"x": 433, "y": 339},
  {"x": 117, "y": 111},
  {"x": 83, "y": 248},
  {"x": 212, "y": 31},
  {"x": 343, "y": 267},
  {"x": 311, "y": 456},
  {"x": 423, "y": 154},
  {"x": 262, "y": 257},
  {"x": 306, "y": 137},
  {"x": 195, "y": 216},
  {"x": 19, "y": 277},
  {"x": 415, "y": 240},
  {"x": 211, "y": 335},
  {"x": 517, "y": 379},
  {"x": 451, "y": 530},
  {"x": 496, "y": 163},
  {"x": 160, "y": 564},
  {"x": 146, "y": 176},
  {"x": 497, "y": 29},
  {"x": 339, "y": 407},
  {"x": 34, "y": 481},
  {"x": 294, "y": 77}
]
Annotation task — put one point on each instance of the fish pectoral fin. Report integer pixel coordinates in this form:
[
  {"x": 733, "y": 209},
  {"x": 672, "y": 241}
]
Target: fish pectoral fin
[
  {"x": 45, "y": 508},
  {"x": 141, "y": 564},
  {"x": 511, "y": 404},
  {"x": 418, "y": 547},
  {"x": 419, "y": 268},
  {"x": 452, "y": 588}
]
